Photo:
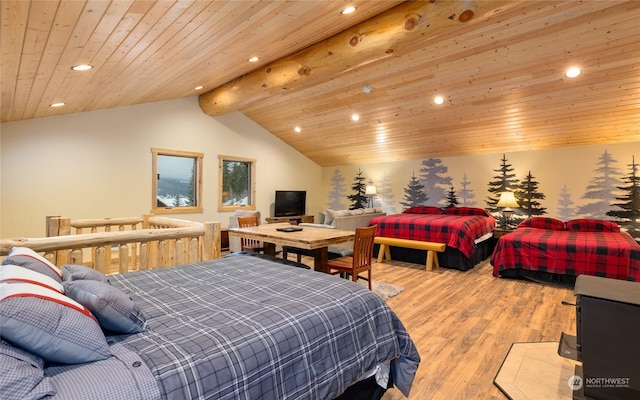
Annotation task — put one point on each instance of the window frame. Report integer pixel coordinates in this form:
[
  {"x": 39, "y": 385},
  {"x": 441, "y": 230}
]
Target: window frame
[
  {"x": 197, "y": 208},
  {"x": 252, "y": 183}
]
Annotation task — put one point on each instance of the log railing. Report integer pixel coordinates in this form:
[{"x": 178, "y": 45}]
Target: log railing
[{"x": 118, "y": 245}]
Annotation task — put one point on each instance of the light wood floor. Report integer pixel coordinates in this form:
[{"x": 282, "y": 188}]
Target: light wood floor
[{"x": 463, "y": 324}]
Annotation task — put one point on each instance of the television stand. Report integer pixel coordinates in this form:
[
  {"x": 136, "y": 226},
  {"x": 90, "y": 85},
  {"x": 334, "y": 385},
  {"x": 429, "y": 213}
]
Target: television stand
[{"x": 292, "y": 219}]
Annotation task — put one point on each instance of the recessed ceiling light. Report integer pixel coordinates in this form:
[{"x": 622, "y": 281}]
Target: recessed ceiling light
[
  {"x": 348, "y": 10},
  {"x": 297, "y": 129},
  {"x": 254, "y": 59},
  {"x": 82, "y": 67},
  {"x": 438, "y": 100},
  {"x": 355, "y": 117},
  {"x": 573, "y": 72},
  {"x": 56, "y": 104},
  {"x": 199, "y": 87}
]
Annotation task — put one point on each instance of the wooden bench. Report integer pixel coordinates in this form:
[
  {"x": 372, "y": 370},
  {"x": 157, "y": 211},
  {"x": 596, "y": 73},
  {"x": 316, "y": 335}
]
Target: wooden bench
[{"x": 431, "y": 248}]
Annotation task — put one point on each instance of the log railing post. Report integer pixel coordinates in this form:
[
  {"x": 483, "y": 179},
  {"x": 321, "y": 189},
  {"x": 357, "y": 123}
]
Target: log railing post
[
  {"x": 123, "y": 258},
  {"x": 122, "y": 250},
  {"x": 211, "y": 241}
]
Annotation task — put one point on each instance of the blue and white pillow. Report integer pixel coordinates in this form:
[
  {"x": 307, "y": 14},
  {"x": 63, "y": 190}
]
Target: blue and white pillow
[
  {"x": 27, "y": 258},
  {"x": 72, "y": 272},
  {"x": 10, "y": 273},
  {"x": 22, "y": 374},
  {"x": 50, "y": 325},
  {"x": 114, "y": 309}
]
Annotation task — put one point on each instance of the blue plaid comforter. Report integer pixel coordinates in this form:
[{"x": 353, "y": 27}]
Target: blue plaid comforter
[{"x": 247, "y": 328}]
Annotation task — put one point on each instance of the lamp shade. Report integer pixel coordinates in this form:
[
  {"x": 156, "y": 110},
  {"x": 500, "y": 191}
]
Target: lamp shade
[
  {"x": 507, "y": 199},
  {"x": 371, "y": 190}
]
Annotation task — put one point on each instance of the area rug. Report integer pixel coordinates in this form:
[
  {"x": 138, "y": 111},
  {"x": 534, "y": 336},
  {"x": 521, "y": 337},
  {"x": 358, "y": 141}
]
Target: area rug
[
  {"x": 535, "y": 371},
  {"x": 383, "y": 289}
]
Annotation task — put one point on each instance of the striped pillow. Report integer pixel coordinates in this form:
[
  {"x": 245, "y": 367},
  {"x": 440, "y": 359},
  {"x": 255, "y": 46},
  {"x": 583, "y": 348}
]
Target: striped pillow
[
  {"x": 15, "y": 274},
  {"x": 25, "y": 257},
  {"x": 50, "y": 325}
]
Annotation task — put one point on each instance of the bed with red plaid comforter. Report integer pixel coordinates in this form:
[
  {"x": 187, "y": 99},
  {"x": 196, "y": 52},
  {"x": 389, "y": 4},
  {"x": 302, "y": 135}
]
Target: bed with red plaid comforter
[
  {"x": 563, "y": 252},
  {"x": 456, "y": 231}
]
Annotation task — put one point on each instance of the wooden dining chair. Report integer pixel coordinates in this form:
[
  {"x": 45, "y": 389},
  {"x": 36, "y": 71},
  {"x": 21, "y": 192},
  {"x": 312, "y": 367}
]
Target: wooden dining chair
[
  {"x": 249, "y": 244},
  {"x": 360, "y": 261}
]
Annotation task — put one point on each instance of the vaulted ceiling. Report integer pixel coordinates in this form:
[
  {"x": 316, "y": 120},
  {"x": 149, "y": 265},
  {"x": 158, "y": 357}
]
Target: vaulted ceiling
[{"x": 498, "y": 65}]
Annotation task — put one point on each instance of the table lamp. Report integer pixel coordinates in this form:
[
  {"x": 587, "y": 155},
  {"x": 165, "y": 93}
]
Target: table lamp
[
  {"x": 506, "y": 202},
  {"x": 370, "y": 191}
]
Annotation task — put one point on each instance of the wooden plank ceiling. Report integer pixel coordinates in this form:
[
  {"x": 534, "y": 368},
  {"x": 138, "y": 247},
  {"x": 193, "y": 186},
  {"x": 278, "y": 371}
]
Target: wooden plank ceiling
[{"x": 498, "y": 65}]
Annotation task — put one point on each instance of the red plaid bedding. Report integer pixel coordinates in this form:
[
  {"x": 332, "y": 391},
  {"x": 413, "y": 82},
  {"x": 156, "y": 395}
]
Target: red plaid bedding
[
  {"x": 606, "y": 254},
  {"x": 456, "y": 231}
]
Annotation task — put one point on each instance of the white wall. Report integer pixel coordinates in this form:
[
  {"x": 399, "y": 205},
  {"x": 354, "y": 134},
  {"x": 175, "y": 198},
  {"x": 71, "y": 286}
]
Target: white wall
[{"x": 98, "y": 163}]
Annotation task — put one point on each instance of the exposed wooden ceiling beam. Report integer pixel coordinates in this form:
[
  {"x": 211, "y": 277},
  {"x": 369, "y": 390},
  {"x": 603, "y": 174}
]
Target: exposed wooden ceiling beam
[{"x": 393, "y": 33}]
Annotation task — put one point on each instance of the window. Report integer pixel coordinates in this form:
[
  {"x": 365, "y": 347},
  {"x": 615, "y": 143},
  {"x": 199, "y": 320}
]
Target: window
[
  {"x": 237, "y": 183},
  {"x": 176, "y": 181}
]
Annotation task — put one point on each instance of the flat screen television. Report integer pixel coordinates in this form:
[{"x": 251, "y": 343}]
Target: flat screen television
[{"x": 290, "y": 202}]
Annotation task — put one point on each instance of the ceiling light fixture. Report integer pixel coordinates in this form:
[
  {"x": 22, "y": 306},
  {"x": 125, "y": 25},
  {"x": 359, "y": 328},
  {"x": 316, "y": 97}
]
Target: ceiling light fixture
[
  {"x": 438, "y": 100},
  {"x": 355, "y": 117},
  {"x": 381, "y": 137},
  {"x": 56, "y": 104},
  {"x": 82, "y": 67},
  {"x": 366, "y": 89},
  {"x": 199, "y": 87},
  {"x": 348, "y": 10},
  {"x": 297, "y": 129},
  {"x": 254, "y": 59},
  {"x": 573, "y": 72}
]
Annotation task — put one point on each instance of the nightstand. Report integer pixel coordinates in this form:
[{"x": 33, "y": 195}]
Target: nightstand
[{"x": 498, "y": 232}]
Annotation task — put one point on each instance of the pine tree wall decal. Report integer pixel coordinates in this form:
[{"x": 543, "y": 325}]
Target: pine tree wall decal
[
  {"x": 629, "y": 202},
  {"x": 605, "y": 193},
  {"x": 359, "y": 187},
  {"x": 528, "y": 196},
  {"x": 413, "y": 193},
  {"x": 434, "y": 182},
  {"x": 337, "y": 192},
  {"x": 452, "y": 200},
  {"x": 566, "y": 210},
  {"x": 385, "y": 195},
  {"x": 601, "y": 189},
  {"x": 465, "y": 194},
  {"x": 505, "y": 180}
]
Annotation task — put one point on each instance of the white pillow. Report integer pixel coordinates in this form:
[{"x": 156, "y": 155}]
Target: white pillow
[
  {"x": 50, "y": 325},
  {"x": 330, "y": 216},
  {"x": 15, "y": 274}
]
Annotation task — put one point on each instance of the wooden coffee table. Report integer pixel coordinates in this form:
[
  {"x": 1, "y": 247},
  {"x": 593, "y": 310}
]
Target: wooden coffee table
[{"x": 310, "y": 238}]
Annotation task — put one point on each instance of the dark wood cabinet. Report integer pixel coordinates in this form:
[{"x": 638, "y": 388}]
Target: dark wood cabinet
[
  {"x": 224, "y": 239},
  {"x": 292, "y": 219},
  {"x": 498, "y": 232}
]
